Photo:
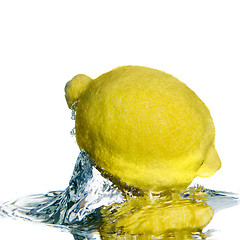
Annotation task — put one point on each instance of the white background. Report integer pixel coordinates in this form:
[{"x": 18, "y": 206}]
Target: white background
[{"x": 43, "y": 44}]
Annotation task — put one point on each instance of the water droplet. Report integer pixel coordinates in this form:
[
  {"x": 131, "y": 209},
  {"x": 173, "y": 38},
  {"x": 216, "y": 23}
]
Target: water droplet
[{"x": 72, "y": 132}]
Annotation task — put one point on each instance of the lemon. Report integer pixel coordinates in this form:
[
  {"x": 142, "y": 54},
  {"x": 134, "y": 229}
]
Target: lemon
[{"x": 143, "y": 127}]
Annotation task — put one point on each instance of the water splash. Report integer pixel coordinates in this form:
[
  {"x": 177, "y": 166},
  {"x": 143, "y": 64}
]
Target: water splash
[
  {"x": 87, "y": 191},
  {"x": 90, "y": 200}
]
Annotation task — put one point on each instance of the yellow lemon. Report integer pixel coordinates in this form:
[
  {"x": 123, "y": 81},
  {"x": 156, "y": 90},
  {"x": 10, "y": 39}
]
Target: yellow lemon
[{"x": 143, "y": 127}]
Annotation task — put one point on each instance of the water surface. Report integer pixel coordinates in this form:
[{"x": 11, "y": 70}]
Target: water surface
[{"x": 92, "y": 207}]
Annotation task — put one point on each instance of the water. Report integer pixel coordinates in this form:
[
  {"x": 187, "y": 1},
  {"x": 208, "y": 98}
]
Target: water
[{"x": 92, "y": 207}]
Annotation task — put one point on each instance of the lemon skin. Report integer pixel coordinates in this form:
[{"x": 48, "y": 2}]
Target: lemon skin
[{"x": 143, "y": 127}]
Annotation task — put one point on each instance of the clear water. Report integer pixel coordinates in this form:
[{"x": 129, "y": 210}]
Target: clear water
[{"x": 83, "y": 207}]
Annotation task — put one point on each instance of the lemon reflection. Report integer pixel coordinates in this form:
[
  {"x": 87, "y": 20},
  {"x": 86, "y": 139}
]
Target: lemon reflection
[{"x": 168, "y": 215}]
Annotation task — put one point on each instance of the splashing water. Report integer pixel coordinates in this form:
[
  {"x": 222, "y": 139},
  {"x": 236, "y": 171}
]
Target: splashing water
[
  {"x": 87, "y": 191},
  {"x": 90, "y": 198}
]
